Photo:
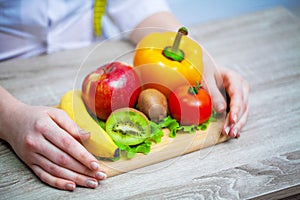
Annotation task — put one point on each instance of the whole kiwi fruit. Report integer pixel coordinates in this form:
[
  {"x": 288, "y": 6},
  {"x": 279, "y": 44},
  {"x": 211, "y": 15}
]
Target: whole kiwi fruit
[
  {"x": 128, "y": 126},
  {"x": 153, "y": 104}
]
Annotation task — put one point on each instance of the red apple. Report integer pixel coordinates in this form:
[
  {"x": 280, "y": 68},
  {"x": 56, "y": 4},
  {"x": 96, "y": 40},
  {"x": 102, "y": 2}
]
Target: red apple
[{"x": 112, "y": 86}]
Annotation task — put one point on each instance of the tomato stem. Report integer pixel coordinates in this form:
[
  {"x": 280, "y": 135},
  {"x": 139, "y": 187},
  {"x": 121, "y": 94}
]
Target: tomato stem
[
  {"x": 195, "y": 89},
  {"x": 173, "y": 52}
]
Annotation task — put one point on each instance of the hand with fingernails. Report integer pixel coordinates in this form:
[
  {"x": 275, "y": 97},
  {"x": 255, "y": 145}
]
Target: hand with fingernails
[
  {"x": 237, "y": 89},
  {"x": 49, "y": 142}
]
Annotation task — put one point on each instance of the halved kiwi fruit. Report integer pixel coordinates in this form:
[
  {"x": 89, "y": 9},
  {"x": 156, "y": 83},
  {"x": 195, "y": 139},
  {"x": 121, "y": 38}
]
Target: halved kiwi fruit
[{"x": 128, "y": 126}]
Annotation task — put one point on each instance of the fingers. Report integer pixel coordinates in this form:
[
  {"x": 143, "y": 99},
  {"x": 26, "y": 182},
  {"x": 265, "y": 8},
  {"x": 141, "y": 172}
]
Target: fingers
[
  {"x": 57, "y": 172},
  {"x": 67, "y": 143},
  {"x": 210, "y": 83},
  {"x": 244, "y": 111},
  {"x": 52, "y": 153},
  {"x": 236, "y": 129},
  {"x": 236, "y": 99},
  {"x": 58, "y": 169},
  {"x": 53, "y": 181},
  {"x": 238, "y": 90},
  {"x": 218, "y": 100},
  {"x": 63, "y": 179},
  {"x": 234, "y": 87},
  {"x": 65, "y": 122},
  {"x": 46, "y": 146}
]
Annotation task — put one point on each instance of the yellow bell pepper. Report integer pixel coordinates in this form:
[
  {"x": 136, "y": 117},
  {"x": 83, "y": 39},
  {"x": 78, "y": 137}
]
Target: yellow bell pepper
[{"x": 168, "y": 60}]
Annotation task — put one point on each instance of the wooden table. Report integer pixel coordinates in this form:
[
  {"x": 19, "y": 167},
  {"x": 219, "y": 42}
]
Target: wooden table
[{"x": 264, "y": 163}]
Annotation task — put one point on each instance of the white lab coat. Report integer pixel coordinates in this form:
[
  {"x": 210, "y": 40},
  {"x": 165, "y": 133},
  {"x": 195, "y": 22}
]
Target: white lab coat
[{"x": 33, "y": 27}]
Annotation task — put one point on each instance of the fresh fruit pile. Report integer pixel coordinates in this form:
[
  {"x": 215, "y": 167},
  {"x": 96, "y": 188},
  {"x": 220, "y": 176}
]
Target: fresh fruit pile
[{"x": 125, "y": 108}]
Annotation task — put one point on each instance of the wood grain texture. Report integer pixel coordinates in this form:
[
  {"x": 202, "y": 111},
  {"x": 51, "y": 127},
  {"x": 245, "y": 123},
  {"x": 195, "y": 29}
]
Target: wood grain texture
[
  {"x": 263, "y": 163},
  {"x": 262, "y": 176}
]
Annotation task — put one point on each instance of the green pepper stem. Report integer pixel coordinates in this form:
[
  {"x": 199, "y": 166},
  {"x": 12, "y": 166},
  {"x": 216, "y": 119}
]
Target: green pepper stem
[
  {"x": 173, "y": 52},
  {"x": 182, "y": 31}
]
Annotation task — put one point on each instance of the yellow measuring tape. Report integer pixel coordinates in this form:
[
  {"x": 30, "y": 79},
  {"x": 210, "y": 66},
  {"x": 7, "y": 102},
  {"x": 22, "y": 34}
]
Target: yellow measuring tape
[{"x": 99, "y": 10}]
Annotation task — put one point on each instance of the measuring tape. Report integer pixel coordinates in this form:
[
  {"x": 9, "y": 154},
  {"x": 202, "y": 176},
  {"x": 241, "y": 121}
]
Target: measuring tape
[{"x": 99, "y": 10}]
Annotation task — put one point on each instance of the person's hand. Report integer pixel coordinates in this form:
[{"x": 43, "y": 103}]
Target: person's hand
[
  {"x": 48, "y": 141},
  {"x": 237, "y": 89}
]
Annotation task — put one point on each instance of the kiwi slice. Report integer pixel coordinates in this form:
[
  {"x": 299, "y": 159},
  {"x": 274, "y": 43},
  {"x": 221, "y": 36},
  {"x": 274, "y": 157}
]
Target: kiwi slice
[{"x": 128, "y": 126}]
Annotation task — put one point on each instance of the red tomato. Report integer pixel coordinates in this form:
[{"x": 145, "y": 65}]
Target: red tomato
[{"x": 188, "y": 108}]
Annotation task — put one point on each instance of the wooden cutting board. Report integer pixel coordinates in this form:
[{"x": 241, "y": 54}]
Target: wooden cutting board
[{"x": 168, "y": 148}]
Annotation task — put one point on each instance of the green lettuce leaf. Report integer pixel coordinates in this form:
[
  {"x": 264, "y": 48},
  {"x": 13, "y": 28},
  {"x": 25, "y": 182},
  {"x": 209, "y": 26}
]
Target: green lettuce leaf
[
  {"x": 156, "y": 133},
  {"x": 129, "y": 151},
  {"x": 171, "y": 124}
]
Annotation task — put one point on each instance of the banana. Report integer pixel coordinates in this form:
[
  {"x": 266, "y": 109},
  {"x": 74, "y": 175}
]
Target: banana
[{"x": 100, "y": 143}]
